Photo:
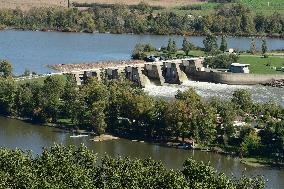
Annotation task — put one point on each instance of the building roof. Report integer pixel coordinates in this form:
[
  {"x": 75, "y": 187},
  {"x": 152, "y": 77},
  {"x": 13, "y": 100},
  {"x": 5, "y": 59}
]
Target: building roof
[{"x": 239, "y": 65}]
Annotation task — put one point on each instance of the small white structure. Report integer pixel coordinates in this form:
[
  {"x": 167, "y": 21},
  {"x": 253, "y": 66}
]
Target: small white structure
[
  {"x": 282, "y": 69},
  {"x": 230, "y": 50},
  {"x": 239, "y": 68}
]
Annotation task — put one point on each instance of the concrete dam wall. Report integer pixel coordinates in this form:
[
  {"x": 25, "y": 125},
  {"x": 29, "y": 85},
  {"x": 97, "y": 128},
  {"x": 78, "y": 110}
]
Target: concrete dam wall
[{"x": 235, "y": 78}]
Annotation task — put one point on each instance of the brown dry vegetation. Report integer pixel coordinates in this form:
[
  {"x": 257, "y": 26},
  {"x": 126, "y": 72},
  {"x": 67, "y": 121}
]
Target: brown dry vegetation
[{"x": 26, "y": 4}]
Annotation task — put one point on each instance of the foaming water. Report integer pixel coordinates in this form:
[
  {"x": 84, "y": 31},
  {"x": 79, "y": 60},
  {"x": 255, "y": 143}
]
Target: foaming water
[{"x": 207, "y": 90}]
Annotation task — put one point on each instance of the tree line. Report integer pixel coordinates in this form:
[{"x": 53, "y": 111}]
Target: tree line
[
  {"x": 71, "y": 167},
  {"x": 121, "y": 108},
  {"x": 234, "y": 19}
]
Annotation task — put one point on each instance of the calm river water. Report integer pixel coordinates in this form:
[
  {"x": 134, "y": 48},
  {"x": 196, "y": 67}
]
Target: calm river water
[{"x": 18, "y": 134}]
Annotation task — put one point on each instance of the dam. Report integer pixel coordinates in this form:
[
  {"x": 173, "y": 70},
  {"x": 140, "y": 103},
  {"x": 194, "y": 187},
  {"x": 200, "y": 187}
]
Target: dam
[
  {"x": 140, "y": 72},
  {"x": 159, "y": 73}
]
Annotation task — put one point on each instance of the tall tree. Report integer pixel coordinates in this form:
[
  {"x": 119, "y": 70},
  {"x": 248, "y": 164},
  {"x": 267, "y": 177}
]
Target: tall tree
[
  {"x": 210, "y": 44},
  {"x": 5, "y": 68},
  {"x": 8, "y": 89},
  {"x": 95, "y": 101},
  {"x": 186, "y": 46},
  {"x": 223, "y": 45},
  {"x": 243, "y": 100},
  {"x": 171, "y": 48},
  {"x": 253, "y": 46},
  {"x": 264, "y": 46}
]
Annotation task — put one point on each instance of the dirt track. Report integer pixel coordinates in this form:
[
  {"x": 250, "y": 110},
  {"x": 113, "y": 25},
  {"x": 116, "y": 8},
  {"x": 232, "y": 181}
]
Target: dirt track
[{"x": 26, "y": 4}]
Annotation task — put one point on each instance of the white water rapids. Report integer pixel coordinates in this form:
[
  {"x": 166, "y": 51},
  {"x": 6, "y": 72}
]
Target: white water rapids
[{"x": 207, "y": 90}]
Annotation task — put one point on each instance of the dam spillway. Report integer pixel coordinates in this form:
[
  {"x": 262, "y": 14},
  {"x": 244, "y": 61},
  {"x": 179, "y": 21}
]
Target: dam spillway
[{"x": 139, "y": 72}]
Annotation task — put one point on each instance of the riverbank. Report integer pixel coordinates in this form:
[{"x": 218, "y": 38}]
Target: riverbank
[
  {"x": 262, "y": 162},
  {"x": 251, "y": 161}
]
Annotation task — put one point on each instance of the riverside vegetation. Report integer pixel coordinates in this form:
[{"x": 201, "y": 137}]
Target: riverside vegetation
[
  {"x": 121, "y": 108},
  {"x": 70, "y": 167},
  {"x": 232, "y": 19}
]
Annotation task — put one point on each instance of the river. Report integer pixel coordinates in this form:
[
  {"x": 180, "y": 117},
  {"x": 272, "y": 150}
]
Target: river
[
  {"x": 18, "y": 134},
  {"x": 34, "y": 50}
]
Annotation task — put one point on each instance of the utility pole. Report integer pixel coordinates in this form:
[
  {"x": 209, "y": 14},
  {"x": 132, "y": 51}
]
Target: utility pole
[{"x": 68, "y": 3}]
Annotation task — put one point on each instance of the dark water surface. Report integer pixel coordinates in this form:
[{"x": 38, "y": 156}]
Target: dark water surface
[
  {"x": 18, "y": 134},
  {"x": 34, "y": 50}
]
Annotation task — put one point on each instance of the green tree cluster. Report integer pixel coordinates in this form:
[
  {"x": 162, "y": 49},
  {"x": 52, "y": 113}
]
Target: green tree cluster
[
  {"x": 230, "y": 19},
  {"x": 140, "y": 51},
  {"x": 221, "y": 61},
  {"x": 121, "y": 108},
  {"x": 71, "y": 167}
]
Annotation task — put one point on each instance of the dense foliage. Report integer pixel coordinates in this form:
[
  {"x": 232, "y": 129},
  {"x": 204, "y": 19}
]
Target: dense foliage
[
  {"x": 70, "y": 167},
  {"x": 221, "y": 61},
  {"x": 120, "y": 108},
  {"x": 232, "y": 19}
]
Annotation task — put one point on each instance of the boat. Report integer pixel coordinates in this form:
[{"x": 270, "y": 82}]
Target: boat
[
  {"x": 184, "y": 146},
  {"x": 205, "y": 150}
]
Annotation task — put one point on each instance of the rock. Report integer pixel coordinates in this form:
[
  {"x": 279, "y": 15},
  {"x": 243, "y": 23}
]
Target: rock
[
  {"x": 275, "y": 83},
  {"x": 104, "y": 138}
]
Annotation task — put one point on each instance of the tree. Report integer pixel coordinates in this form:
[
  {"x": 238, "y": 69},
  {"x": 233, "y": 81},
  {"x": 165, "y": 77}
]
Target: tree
[
  {"x": 251, "y": 144},
  {"x": 223, "y": 45},
  {"x": 76, "y": 167},
  {"x": 25, "y": 100},
  {"x": 5, "y": 68},
  {"x": 8, "y": 89},
  {"x": 264, "y": 46},
  {"x": 260, "y": 22},
  {"x": 72, "y": 100},
  {"x": 253, "y": 46},
  {"x": 247, "y": 25},
  {"x": 140, "y": 51},
  {"x": 86, "y": 22},
  {"x": 243, "y": 100},
  {"x": 171, "y": 48},
  {"x": 210, "y": 44},
  {"x": 49, "y": 99},
  {"x": 221, "y": 61},
  {"x": 186, "y": 46},
  {"x": 95, "y": 100}
]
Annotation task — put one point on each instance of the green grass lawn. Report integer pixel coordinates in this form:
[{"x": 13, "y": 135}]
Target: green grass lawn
[
  {"x": 205, "y": 8},
  {"x": 261, "y": 65}
]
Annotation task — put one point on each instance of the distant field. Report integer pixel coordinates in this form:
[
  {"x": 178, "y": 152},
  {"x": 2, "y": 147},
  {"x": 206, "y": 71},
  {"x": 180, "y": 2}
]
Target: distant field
[{"x": 26, "y": 4}]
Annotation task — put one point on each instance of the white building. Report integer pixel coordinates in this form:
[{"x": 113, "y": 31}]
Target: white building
[{"x": 239, "y": 68}]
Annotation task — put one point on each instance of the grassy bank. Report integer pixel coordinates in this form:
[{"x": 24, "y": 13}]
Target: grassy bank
[
  {"x": 260, "y": 65},
  {"x": 262, "y": 161}
]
